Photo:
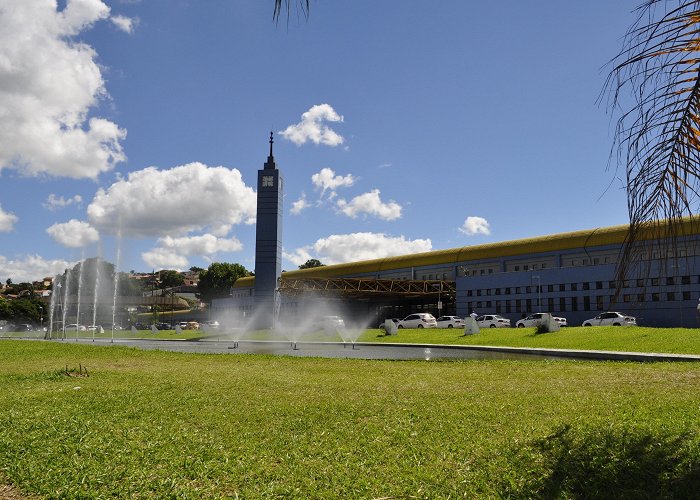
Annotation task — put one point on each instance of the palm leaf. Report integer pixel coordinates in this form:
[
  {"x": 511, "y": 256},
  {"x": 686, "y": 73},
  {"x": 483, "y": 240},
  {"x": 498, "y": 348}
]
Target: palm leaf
[
  {"x": 655, "y": 86},
  {"x": 280, "y": 5}
]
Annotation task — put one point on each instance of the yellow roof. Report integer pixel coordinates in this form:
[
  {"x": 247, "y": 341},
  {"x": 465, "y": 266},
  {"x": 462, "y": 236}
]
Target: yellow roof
[{"x": 539, "y": 244}]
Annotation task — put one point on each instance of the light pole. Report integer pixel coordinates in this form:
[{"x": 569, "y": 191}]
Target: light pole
[{"x": 539, "y": 291}]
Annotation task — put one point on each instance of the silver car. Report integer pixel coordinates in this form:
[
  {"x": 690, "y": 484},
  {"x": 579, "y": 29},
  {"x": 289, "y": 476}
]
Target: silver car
[
  {"x": 611, "y": 319},
  {"x": 418, "y": 320},
  {"x": 449, "y": 322},
  {"x": 492, "y": 321}
]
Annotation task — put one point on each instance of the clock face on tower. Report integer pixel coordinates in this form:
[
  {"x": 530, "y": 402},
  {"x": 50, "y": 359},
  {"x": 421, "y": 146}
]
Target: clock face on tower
[{"x": 268, "y": 181}]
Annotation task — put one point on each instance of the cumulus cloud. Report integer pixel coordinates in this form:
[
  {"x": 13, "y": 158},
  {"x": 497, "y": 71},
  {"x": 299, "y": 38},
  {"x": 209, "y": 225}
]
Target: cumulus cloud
[
  {"x": 340, "y": 248},
  {"x": 371, "y": 204},
  {"x": 31, "y": 268},
  {"x": 475, "y": 225},
  {"x": 126, "y": 24},
  {"x": 300, "y": 205},
  {"x": 326, "y": 180},
  {"x": 172, "y": 252},
  {"x": 7, "y": 221},
  {"x": 311, "y": 127},
  {"x": 73, "y": 234},
  {"x": 54, "y": 202},
  {"x": 174, "y": 202},
  {"x": 48, "y": 85}
]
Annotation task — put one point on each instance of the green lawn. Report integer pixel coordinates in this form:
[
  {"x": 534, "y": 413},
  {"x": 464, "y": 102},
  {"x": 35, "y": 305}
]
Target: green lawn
[
  {"x": 149, "y": 424},
  {"x": 610, "y": 338},
  {"x": 606, "y": 338}
]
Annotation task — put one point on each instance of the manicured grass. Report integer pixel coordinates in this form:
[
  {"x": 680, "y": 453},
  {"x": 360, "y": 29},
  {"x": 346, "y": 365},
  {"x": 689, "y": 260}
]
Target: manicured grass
[
  {"x": 610, "y": 338},
  {"x": 149, "y": 424},
  {"x": 605, "y": 338}
]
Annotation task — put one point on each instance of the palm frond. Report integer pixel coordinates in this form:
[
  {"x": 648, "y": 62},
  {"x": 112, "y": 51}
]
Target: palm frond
[
  {"x": 655, "y": 86},
  {"x": 280, "y": 5}
]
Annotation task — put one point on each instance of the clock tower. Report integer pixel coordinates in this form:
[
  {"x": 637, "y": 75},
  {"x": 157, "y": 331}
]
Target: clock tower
[{"x": 268, "y": 241}]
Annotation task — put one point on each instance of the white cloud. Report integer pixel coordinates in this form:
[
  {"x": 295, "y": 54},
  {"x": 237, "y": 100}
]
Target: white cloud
[
  {"x": 49, "y": 83},
  {"x": 300, "y": 205},
  {"x": 475, "y": 225},
  {"x": 126, "y": 24},
  {"x": 298, "y": 256},
  {"x": 327, "y": 180},
  {"x": 370, "y": 203},
  {"x": 172, "y": 252},
  {"x": 54, "y": 202},
  {"x": 340, "y": 248},
  {"x": 30, "y": 268},
  {"x": 73, "y": 234},
  {"x": 192, "y": 197},
  {"x": 7, "y": 221},
  {"x": 164, "y": 258},
  {"x": 311, "y": 127}
]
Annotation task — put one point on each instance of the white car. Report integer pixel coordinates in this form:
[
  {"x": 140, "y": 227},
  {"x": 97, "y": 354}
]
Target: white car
[
  {"x": 611, "y": 319},
  {"x": 76, "y": 328},
  {"x": 492, "y": 321},
  {"x": 331, "y": 322},
  {"x": 449, "y": 322},
  {"x": 418, "y": 320},
  {"x": 536, "y": 320}
]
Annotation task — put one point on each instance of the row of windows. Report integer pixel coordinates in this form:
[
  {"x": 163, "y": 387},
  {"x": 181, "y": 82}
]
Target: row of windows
[
  {"x": 586, "y": 285},
  {"x": 564, "y": 304}
]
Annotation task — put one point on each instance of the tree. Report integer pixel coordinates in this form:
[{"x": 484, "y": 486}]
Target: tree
[
  {"x": 218, "y": 279},
  {"x": 311, "y": 263},
  {"x": 657, "y": 139},
  {"x": 170, "y": 279},
  {"x": 196, "y": 269}
]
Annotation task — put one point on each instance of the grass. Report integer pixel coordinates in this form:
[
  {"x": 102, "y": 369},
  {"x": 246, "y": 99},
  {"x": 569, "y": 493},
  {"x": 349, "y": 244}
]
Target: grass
[
  {"x": 149, "y": 424},
  {"x": 610, "y": 338}
]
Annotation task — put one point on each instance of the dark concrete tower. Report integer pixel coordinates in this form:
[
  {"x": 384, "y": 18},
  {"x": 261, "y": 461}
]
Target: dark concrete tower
[{"x": 268, "y": 240}]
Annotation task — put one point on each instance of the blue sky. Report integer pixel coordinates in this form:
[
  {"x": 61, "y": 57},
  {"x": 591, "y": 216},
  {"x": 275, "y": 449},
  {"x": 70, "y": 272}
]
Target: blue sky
[{"x": 140, "y": 125}]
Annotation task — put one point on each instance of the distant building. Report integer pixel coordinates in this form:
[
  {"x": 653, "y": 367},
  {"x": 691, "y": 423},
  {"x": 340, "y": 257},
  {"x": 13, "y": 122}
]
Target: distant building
[{"x": 570, "y": 274}]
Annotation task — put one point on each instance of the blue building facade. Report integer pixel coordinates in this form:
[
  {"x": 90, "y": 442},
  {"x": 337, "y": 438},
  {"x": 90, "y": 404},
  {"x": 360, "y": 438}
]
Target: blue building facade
[{"x": 568, "y": 274}]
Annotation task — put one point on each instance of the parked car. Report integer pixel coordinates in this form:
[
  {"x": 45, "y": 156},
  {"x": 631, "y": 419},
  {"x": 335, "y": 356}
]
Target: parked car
[
  {"x": 212, "y": 324},
  {"x": 76, "y": 327},
  {"x": 449, "y": 322},
  {"x": 330, "y": 322},
  {"x": 382, "y": 324},
  {"x": 611, "y": 319},
  {"x": 163, "y": 326},
  {"x": 492, "y": 321},
  {"x": 418, "y": 320},
  {"x": 23, "y": 328},
  {"x": 141, "y": 326},
  {"x": 536, "y": 319}
]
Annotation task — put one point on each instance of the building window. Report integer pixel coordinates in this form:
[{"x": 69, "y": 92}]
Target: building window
[
  {"x": 481, "y": 272},
  {"x": 627, "y": 298},
  {"x": 516, "y": 268},
  {"x": 528, "y": 305},
  {"x": 507, "y": 291},
  {"x": 544, "y": 265},
  {"x": 517, "y": 289},
  {"x": 478, "y": 305},
  {"x": 586, "y": 286},
  {"x": 596, "y": 261},
  {"x": 498, "y": 291},
  {"x": 655, "y": 297},
  {"x": 574, "y": 287},
  {"x": 562, "y": 287},
  {"x": 574, "y": 303},
  {"x": 671, "y": 296},
  {"x": 488, "y": 291},
  {"x": 550, "y": 304},
  {"x": 526, "y": 267},
  {"x": 562, "y": 304},
  {"x": 669, "y": 280},
  {"x": 655, "y": 282},
  {"x": 640, "y": 297},
  {"x": 599, "y": 302},
  {"x": 508, "y": 306},
  {"x": 550, "y": 288},
  {"x": 498, "y": 307},
  {"x": 528, "y": 289},
  {"x": 488, "y": 304},
  {"x": 517, "y": 306},
  {"x": 586, "y": 303},
  {"x": 686, "y": 295},
  {"x": 611, "y": 285},
  {"x": 640, "y": 282},
  {"x": 626, "y": 284},
  {"x": 490, "y": 271},
  {"x": 685, "y": 280}
]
